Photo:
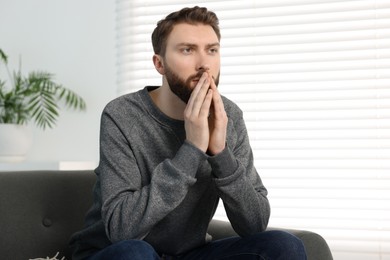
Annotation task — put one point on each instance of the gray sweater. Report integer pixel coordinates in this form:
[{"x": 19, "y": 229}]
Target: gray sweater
[{"x": 153, "y": 185}]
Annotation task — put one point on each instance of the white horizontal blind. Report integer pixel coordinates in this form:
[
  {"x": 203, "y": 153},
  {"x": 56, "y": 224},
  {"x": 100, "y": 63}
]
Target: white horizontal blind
[{"x": 313, "y": 80}]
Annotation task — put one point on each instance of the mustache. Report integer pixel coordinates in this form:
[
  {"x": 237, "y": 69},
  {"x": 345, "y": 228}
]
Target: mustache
[{"x": 197, "y": 76}]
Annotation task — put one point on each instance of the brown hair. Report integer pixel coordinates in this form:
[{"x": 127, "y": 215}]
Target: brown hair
[{"x": 188, "y": 15}]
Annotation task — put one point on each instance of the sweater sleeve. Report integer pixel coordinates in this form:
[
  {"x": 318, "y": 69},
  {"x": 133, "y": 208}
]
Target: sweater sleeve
[
  {"x": 239, "y": 185},
  {"x": 129, "y": 207}
]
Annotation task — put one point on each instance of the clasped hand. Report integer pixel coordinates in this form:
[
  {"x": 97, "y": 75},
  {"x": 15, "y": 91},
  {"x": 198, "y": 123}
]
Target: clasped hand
[{"x": 205, "y": 117}]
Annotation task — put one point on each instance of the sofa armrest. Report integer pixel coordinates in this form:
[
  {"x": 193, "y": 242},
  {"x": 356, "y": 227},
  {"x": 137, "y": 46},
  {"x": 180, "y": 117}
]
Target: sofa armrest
[{"x": 315, "y": 245}]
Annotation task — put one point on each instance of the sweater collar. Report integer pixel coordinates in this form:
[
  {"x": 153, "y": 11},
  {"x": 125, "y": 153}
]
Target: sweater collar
[{"x": 155, "y": 112}]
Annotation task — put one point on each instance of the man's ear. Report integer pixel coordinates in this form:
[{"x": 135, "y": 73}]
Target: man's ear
[{"x": 158, "y": 64}]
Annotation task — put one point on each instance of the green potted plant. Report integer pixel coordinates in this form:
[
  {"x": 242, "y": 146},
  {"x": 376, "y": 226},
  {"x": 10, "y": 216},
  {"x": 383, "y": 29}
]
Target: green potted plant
[{"x": 35, "y": 97}]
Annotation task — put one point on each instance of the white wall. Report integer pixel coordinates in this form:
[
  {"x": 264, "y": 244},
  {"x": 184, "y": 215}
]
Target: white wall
[{"x": 75, "y": 40}]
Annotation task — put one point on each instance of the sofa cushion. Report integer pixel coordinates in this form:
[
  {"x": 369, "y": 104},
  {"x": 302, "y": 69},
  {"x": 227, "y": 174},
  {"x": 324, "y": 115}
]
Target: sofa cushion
[{"x": 41, "y": 210}]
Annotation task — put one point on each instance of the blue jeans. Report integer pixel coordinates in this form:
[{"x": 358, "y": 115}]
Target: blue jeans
[{"x": 268, "y": 245}]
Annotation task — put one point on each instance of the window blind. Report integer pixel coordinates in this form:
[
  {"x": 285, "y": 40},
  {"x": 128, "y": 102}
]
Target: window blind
[{"x": 313, "y": 80}]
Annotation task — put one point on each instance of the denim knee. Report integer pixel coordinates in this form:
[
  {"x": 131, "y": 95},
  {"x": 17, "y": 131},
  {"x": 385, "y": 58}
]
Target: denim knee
[
  {"x": 287, "y": 246},
  {"x": 127, "y": 250}
]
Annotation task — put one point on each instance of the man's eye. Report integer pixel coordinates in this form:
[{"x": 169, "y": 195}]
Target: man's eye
[
  {"x": 213, "y": 50},
  {"x": 186, "y": 50}
]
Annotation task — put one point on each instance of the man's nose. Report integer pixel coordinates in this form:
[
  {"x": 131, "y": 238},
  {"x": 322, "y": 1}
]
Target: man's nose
[{"x": 203, "y": 62}]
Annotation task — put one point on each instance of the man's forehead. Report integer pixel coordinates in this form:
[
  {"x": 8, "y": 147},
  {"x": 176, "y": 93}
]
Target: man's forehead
[{"x": 193, "y": 34}]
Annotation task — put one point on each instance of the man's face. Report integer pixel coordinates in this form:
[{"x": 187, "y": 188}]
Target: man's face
[
  {"x": 183, "y": 87},
  {"x": 191, "y": 50}
]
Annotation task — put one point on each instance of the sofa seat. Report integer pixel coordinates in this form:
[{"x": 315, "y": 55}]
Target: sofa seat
[{"x": 40, "y": 210}]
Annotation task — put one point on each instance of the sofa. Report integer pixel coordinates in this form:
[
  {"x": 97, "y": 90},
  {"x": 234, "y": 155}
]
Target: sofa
[{"x": 40, "y": 210}]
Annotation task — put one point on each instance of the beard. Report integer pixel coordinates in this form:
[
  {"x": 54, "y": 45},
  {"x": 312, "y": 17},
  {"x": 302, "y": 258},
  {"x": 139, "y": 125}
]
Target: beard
[{"x": 182, "y": 87}]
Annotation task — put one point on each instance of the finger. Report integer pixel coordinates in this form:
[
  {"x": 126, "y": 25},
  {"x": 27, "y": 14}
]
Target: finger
[
  {"x": 198, "y": 96},
  {"x": 205, "y": 109},
  {"x": 218, "y": 107},
  {"x": 199, "y": 85},
  {"x": 212, "y": 82}
]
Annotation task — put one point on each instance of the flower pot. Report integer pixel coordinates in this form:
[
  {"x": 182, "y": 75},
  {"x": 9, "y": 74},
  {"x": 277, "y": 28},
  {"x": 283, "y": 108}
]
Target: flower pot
[{"x": 15, "y": 142}]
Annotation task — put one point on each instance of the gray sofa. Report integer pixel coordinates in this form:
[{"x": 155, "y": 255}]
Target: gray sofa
[{"x": 40, "y": 210}]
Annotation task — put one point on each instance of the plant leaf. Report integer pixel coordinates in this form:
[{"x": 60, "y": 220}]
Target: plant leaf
[
  {"x": 3, "y": 56},
  {"x": 34, "y": 97}
]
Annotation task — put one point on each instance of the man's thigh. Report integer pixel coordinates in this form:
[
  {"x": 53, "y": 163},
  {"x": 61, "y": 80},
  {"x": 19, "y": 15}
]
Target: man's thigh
[{"x": 261, "y": 246}]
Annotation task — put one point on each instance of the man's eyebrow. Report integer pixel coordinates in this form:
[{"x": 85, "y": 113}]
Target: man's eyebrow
[
  {"x": 187, "y": 44},
  {"x": 216, "y": 44}
]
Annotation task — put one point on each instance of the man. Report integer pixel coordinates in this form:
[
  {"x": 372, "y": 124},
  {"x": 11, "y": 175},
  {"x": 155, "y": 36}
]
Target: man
[{"x": 169, "y": 153}]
